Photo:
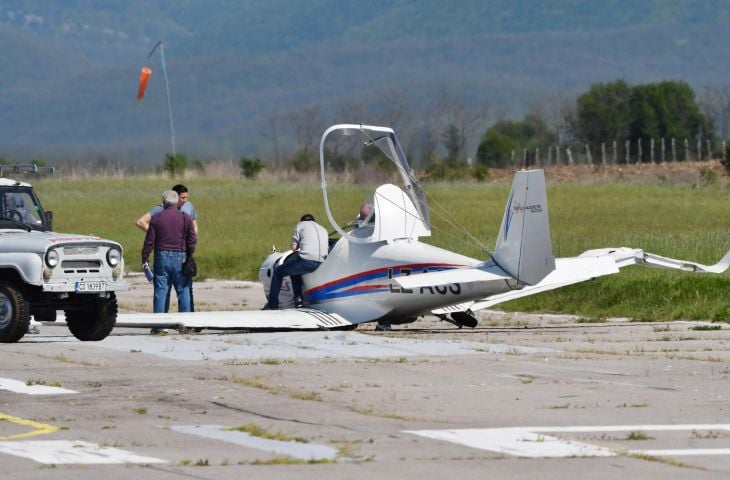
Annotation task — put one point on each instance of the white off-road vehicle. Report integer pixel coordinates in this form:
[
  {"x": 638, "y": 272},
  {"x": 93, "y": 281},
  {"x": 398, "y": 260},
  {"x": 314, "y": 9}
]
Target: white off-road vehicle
[{"x": 42, "y": 271}]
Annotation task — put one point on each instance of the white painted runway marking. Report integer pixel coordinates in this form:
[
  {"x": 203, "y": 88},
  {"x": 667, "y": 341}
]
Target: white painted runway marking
[
  {"x": 72, "y": 452},
  {"x": 302, "y": 451},
  {"x": 21, "y": 387},
  {"x": 532, "y": 441}
]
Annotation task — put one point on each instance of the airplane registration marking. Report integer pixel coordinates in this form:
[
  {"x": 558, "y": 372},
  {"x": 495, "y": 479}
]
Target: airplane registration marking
[
  {"x": 533, "y": 442},
  {"x": 339, "y": 288},
  {"x": 21, "y": 387},
  {"x": 38, "y": 428},
  {"x": 56, "y": 452}
]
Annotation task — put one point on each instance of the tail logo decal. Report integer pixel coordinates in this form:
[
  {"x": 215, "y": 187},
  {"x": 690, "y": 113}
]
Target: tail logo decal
[
  {"x": 508, "y": 220},
  {"x": 517, "y": 208}
]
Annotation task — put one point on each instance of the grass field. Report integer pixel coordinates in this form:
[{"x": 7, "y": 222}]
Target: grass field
[{"x": 240, "y": 219}]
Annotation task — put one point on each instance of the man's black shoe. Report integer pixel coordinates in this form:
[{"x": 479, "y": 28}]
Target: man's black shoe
[
  {"x": 298, "y": 303},
  {"x": 270, "y": 307}
]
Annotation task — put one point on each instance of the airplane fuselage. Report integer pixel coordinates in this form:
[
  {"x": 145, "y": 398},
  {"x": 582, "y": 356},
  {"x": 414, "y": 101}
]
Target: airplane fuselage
[{"x": 357, "y": 281}]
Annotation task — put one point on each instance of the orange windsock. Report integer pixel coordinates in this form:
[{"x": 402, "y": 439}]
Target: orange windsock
[{"x": 144, "y": 77}]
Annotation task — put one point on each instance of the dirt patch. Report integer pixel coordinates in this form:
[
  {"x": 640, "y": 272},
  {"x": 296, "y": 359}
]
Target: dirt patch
[
  {"x": 694, "y": 173},
  {"x": 210, "y": 295}
]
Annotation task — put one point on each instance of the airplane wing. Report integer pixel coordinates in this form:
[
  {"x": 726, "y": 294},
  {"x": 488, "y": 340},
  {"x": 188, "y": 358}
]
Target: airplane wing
[
  {"x": 634, "y": 256},
  {"x": 291, "y": 319},
  {"x": 588, "y": 265}
]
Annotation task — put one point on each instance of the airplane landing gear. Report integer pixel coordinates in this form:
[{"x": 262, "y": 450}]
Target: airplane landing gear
[
  {"x": 461, "y": 319},
  {"x": 383, "y": 327}
]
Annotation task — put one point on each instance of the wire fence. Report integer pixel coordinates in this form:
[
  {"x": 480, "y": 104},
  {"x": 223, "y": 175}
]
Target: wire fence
[{"x": 628, "y": 152}]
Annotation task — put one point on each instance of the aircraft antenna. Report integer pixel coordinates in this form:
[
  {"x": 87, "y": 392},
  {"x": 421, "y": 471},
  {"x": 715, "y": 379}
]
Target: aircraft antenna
[{"x": 449, "y": 219}]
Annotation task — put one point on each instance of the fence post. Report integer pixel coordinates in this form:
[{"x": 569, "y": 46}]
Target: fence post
[
  {"x": 674, "y": 149},
  {"x": 557, "y": 154},
  {"x": 588, "y": 154},
  {"x": 686, "y": 150},
  {"x": 651, "y": 150},
  {"x": 639, "y": 159},
  {"x": 603, "y": 153},
  {"x": 627, "y": 149},
  {"x": 570, "y": 156},
  {"x": 709, "y": 149}
]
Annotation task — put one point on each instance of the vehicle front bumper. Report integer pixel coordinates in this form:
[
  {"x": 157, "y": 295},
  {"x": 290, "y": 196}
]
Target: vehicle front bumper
[{"x": 71, "y": 287}]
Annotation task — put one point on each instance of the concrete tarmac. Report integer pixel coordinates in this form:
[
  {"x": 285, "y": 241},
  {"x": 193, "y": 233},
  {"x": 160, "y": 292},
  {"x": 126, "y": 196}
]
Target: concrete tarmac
[{"x": 520, "y": 396}]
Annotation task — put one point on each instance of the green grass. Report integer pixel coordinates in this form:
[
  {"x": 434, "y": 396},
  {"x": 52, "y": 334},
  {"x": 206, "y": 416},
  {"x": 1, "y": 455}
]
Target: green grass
[
  {"x": 256, "y": 431},
  {"x": 705, "y": 328},
  {"x": 240, "y": 219}
]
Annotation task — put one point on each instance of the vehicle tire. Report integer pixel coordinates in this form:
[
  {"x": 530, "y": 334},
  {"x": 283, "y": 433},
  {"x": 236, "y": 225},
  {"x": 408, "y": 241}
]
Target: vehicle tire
[
  {"x": 95, "y": 322},
  {"x": 14, "y": 314},
  {"x": 45, "y": 315}
]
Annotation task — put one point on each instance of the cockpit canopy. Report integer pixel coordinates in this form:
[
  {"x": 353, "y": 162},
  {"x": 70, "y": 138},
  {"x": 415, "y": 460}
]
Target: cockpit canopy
[{"x": 392, "y": 212}]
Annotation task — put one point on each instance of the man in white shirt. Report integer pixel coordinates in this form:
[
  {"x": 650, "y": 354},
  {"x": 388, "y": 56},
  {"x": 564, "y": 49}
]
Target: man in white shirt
[{"x": 310, "y": 245}]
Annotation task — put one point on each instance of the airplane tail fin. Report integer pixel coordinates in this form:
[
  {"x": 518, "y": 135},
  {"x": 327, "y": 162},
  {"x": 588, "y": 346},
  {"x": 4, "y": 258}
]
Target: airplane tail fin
[{"x": 523, "y": 248}]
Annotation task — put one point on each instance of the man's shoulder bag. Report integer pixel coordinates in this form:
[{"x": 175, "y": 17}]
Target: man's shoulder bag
[{"x": 190, "y": 268}]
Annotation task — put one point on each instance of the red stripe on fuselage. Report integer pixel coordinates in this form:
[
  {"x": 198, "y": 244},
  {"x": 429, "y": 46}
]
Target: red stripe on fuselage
[
  {"x": 384, "y": 269},
  {"x": 365, "y": 288}
]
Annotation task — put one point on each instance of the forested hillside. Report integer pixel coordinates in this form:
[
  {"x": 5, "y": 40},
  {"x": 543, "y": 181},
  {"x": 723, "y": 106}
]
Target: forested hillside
[{"x": 244, "y": 73}]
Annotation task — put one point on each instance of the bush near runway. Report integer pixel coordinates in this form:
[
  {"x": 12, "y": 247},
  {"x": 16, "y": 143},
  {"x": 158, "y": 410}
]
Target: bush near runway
[{"x": 240, "y": 220}]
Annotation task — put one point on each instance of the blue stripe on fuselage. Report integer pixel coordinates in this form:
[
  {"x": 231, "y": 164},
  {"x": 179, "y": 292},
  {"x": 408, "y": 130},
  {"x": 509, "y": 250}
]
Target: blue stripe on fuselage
[{"x": 333, "y": 290}]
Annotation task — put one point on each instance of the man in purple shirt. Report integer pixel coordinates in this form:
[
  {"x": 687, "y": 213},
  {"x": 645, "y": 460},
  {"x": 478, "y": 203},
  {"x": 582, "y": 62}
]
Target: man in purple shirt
[{"x": 171, "y": 235}]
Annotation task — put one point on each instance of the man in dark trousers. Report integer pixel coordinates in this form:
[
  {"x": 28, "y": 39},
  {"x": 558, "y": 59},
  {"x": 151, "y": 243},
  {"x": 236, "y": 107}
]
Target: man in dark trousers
[
  {"x": 171, "y": 235},
  {"x": 309, "y": 244}
]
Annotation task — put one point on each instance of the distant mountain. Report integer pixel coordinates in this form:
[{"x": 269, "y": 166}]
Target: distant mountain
[{"x": 69, "y": 70}]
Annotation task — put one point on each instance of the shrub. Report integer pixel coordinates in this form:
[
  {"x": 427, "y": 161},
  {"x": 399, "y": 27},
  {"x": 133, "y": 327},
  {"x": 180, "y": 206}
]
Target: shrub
[
  {"x": 480, "y": 173},
  {"x": 439, "y": 170},
  {"x": 304, "y": 161},
  {"x": 250, "y": 167},
  {"x": 176, "y": 164},
  {"x": 726, "y": 160}
]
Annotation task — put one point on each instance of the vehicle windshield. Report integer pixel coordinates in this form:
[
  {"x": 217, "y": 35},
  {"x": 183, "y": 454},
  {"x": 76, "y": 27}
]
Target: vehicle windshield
[
  {"x": 18, "y": 205},
  {"x": 363, "y": 157}
]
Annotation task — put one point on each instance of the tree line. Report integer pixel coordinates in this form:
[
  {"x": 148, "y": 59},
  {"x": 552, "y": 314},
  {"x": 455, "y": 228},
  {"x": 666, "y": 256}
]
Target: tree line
[
  {"x": 609, "y": 123},
  {"x": 650, "y": 122}
]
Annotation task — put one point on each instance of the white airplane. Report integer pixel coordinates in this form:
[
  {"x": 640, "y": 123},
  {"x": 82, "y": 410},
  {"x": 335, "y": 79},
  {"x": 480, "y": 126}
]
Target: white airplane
[{"x": 379, "y": 270}]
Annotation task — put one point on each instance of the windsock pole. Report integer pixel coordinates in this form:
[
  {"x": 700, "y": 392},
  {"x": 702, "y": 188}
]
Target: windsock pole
[{"x": 167, "y": 91}]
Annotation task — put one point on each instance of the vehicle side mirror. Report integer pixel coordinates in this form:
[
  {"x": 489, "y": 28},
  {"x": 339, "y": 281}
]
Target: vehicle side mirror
[{"x": 49, "y": 220}]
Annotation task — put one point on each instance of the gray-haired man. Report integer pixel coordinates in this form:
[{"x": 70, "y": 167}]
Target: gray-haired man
[{"x": 171, "y": 235}]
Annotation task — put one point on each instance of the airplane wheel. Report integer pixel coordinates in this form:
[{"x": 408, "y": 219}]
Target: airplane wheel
[{"x": 464, "y": 319}]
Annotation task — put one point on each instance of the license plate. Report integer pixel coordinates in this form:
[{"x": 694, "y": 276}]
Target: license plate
[{"x": 90, "y": 286}]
